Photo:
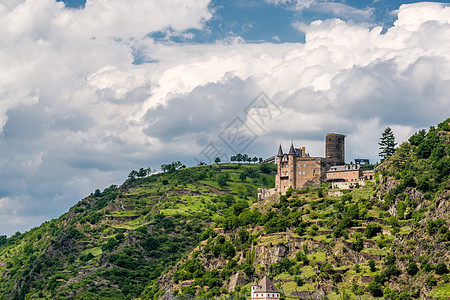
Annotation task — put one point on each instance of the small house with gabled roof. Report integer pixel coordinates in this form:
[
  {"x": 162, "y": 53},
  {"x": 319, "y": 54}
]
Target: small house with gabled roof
[{"x": 265, "y": 290}]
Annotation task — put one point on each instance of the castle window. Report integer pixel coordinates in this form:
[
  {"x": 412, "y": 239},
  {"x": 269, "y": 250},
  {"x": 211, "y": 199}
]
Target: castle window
[
  {"x": 304, "y": 165},
  {"x": 303, "y": 172},
  {"x": 314, "y": 171}
]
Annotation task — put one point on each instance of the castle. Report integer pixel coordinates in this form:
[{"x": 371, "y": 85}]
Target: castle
[{"x": 297, "y": 169}]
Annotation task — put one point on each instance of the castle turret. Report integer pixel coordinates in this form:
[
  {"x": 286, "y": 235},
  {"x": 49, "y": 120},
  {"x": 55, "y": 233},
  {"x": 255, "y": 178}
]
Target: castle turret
[
  {"x": 291, "y": 166},
  {"x": 280, "y": 151},
  {"x": 292, "y": 150}
]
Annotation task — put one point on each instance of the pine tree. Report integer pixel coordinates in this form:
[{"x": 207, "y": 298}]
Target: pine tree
[{"x": 387, "y": 143}]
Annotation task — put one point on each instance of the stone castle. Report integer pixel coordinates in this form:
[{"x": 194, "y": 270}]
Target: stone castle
[{"x": 297, "y": 169}]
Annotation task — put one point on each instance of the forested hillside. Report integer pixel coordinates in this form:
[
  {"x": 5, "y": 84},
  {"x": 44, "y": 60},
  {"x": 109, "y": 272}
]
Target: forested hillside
[{"x": 201, "y": 232}]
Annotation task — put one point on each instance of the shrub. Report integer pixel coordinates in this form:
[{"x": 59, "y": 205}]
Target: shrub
[
  {"x": 431, "y": 281},
  {"x": 86, "y": 257},
  {"x": 412, "y": 268},
  {"x": 299, "y": 281},
  {"x": 441, "y": 269},
  {"x": 375, "y": 289},
  {"x": 389, "y": 260},
  {"x": 372, "y": 265},
  {"x": 372, "y": 230}
]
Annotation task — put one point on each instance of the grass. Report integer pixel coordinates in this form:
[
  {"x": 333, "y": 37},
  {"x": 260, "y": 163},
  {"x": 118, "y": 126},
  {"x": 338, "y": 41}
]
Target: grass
[
  {"x": 291, "y": 287},
  {"x": 376, "y": 251},
  {"x": 363, "y": 192},
  {"x": 442, "y": 290},
  {"x": 317, "y": 256},
  {"x": 96, "y": 251},
  {"x": 307, "y": 272},
  {"x": 273, "y": 239}
]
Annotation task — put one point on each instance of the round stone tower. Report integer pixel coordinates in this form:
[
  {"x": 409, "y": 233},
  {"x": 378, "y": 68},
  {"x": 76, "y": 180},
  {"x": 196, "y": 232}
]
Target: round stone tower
[{"x": 335, "y": 148}]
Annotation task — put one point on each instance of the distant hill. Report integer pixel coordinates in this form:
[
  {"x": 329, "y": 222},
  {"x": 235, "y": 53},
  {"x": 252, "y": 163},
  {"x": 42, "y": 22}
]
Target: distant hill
[{"x": 200, "y": 231}]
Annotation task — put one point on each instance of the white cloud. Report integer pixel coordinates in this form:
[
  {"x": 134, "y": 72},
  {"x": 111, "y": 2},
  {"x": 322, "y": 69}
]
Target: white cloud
[
  {"x": 335, "y": 9},
  {"x": 77, "y": 115}
]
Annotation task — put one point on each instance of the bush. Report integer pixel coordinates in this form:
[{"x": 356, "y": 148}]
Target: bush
[
  {"x": 412, "y": 268},
  {"x": 86, "y": 257},
  {"x": 389, "y": 260},
  {"x": 372, "y": 265},
  {"x": 372, "y": 230},
  {"x": 110, "y": 245},
  {"x": 375, "y": 289},
  {"x": 299, "y": 281},
  {"x": 431, "y": 281},
  {"x": 441, "y": 269}
]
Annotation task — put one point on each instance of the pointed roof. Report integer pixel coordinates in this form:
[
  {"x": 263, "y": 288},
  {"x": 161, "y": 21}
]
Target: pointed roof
[
  {"x": 280, "y": 151},
  {"x": 292, "y": 150},
  {"x": 255, "y": 283},
  {"x": 266, "y": 286}
]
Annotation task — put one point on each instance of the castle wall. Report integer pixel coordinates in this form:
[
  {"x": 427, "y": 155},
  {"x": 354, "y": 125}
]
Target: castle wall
[
  {"x": 347, "y": 175},
  {"x": 300, "y": 172}
]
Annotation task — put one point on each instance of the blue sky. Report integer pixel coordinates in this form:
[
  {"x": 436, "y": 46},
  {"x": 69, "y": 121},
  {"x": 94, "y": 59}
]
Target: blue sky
[
  {"x": 90, "y": 91},
  {"x": 261, "y": 21}
]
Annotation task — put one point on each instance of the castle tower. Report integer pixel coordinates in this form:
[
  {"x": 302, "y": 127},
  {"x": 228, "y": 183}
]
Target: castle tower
[
  {"x": 335, "y": 148},
  {"x": 292, "y": 167},
  {"x": 265, "y": 290}
]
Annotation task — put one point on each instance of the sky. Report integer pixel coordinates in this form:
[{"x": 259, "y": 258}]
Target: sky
[{"x": 90, "y": 90}]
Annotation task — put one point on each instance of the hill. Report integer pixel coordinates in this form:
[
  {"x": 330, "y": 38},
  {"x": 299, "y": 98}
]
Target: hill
[{"x": 201, "y": 231}]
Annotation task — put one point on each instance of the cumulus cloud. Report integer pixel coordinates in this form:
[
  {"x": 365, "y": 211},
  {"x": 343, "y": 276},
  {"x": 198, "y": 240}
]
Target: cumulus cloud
[{"x": 76, "y": 114}]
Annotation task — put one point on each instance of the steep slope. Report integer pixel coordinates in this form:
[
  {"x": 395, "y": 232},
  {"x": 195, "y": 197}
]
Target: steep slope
[
  {"x": 113, "y": 244},
  {"x": 390, "y": 239}
]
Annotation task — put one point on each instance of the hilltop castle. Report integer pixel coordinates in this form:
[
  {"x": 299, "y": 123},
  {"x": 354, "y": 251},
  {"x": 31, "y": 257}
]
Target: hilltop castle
[{"x": 298, "y": 169}]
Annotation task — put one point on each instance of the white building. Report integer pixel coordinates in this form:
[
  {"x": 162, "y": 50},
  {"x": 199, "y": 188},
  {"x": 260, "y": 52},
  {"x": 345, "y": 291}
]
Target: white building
[{"x": 265, "y": 290}]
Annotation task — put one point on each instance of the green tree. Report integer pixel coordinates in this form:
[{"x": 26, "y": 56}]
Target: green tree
[
  {"x": 387, "y": 143},
  {"x": 132, "y": 174},
  {"x": 217, "y": 160},
  {"x": 412, "y": 268},
  {"x": 3, "y": 240},
  {"x": 242, "y": 176},
  {"x": 441, "y": 269},
  {"x": 372, "y": 265},
  {"x": 222, "y": 180}
]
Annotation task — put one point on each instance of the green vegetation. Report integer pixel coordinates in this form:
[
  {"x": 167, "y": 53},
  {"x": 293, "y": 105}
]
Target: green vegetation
[{"x": 194, "y": 229}]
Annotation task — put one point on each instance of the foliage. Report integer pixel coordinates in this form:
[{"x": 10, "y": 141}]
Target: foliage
[{"x": 387, "y": 143}]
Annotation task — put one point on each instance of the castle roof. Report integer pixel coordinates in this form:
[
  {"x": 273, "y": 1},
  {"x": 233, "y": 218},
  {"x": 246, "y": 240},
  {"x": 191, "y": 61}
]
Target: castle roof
[
  {"x": 343, "y": 168},
  {"x": 280, "y": 151},
  {"x": 266, "y": 286},
  {"x": 292, "y": 150}
]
